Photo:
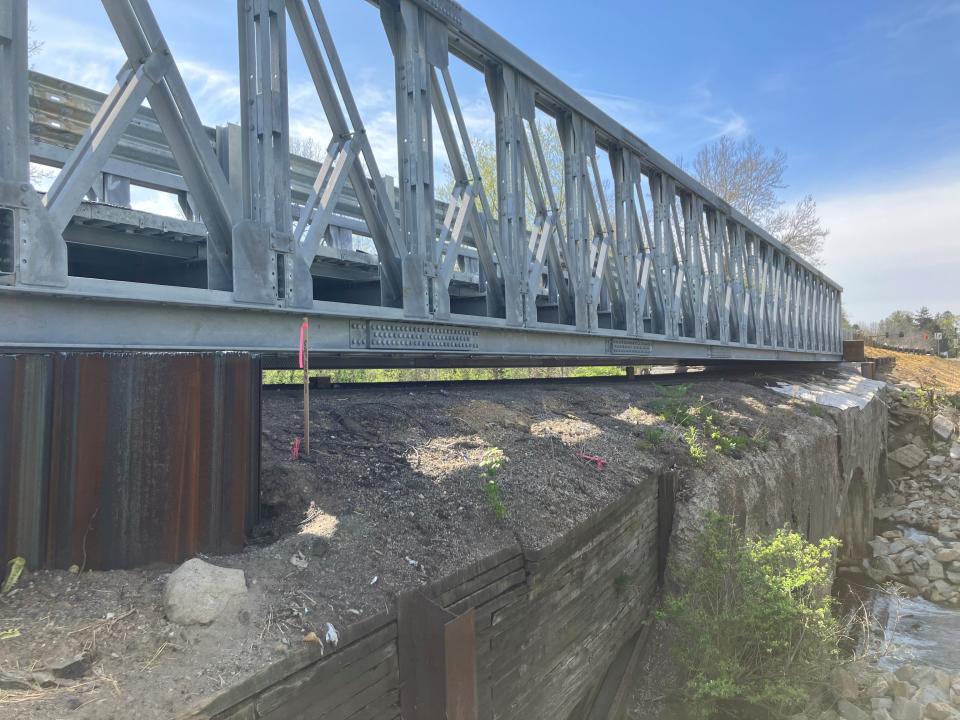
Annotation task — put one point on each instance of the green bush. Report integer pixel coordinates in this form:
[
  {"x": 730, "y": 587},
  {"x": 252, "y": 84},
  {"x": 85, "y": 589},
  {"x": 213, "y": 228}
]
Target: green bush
[{"x": 754, "y": 631}]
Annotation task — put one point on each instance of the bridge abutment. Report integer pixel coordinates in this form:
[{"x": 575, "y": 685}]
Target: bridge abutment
[{"x": 116, "y": 460}]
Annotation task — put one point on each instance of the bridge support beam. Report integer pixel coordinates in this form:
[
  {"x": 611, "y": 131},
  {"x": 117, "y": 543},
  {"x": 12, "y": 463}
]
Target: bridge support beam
[{"x": 120, "y": 460}]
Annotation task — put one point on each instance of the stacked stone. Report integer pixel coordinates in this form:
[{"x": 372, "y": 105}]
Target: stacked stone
[
  {"x": 911, "y": 693},
  {"x": 929, "y": 567},
  {"x": 924, "y": 470}
]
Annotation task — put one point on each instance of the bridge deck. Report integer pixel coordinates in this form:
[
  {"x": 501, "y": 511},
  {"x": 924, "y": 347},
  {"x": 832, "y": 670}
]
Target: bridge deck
[{"x": 388, "y": 273}]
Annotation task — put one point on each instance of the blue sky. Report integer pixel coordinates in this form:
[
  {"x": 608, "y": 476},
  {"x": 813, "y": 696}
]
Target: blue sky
[{"x": 862, "y": 95}]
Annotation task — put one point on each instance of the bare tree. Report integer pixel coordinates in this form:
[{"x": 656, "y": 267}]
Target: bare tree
[
  {"x": 800, "y": 229},
  {"x": 747, "y": 177},
  {"x": 742, "y": 174},
  {"x": 308, "y": 147},
  {"x": 34, "y": 46}
]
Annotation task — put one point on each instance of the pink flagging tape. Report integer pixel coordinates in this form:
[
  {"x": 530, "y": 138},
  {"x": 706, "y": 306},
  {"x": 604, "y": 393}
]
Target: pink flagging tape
[
  {"x": 303, "y": 332},
  {"x": 295, "y": 448},
  {"x": 598, "y": 462}
]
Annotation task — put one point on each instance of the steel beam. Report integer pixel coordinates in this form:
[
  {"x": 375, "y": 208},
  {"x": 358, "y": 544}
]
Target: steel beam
[{"x": 100, "y": 314}]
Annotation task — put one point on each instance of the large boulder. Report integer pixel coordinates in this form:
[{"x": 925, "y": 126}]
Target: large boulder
[{"x": 197, "y": 592}]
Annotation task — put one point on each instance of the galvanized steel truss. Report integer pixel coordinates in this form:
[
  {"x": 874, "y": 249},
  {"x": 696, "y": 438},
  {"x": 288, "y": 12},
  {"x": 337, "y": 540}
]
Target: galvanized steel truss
[{"x": 669, "y": 271}]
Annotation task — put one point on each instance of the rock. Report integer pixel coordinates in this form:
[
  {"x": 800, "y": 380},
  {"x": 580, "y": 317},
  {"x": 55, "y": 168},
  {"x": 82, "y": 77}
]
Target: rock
[
  {"x": 885, "y": 565},
  {"x": 897, "y": 546},
  {"x": 908, "y": 456},
  {"x": 935, "y": 571},
  {"x": 882, "y": 512},
  {"x": 953, "y": 577},
  {"x": 877, "y": 690},
  {"x": 849, "y": 711},
  {"x": 197, "y": 592},
  {"x": 929, "y": 694},
  {"x": 902, "y": 688},
  {"x": 936, "y": 461},
  {"x": 904, "y": 709},
  {"x": 918, "y": 581},
  {"x": 880, "y": 547},
  {"x": 945, "y": 555},
  {"x": 939, "y": 711},
  {"x": 881, "y": 714},
  {"x": 955, "y": 451},
  {"x": 943, "y": 427},
  {"x": 74, "y": 668},
  {"x": 844, "y": 684}
]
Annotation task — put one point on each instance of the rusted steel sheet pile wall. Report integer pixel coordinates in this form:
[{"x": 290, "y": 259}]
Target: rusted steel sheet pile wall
[
  {"x": 112, "y": 460},
  {"x": 547, "y": 625}
]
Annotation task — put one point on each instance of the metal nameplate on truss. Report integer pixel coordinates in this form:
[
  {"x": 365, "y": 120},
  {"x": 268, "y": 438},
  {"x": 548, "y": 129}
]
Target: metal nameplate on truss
[
  {"x": 719, "y": 353},
  {"x": 379, "y": 335},
  {"x": 630, "y": 346}
]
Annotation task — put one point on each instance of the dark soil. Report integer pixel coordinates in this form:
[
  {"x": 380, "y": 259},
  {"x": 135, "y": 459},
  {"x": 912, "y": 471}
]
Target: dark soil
[{"x": 391, "y": 497}]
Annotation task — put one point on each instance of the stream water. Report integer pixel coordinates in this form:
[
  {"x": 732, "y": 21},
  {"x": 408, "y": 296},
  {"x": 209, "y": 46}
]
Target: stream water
[{"x": 920, "y": 632}]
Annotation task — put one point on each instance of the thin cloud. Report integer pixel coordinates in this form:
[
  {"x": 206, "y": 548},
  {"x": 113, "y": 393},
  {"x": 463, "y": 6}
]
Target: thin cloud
[{"x": 888, "y": 259}]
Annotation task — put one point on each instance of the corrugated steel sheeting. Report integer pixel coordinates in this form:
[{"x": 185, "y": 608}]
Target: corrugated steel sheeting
[{"x": 114, "y": 460}]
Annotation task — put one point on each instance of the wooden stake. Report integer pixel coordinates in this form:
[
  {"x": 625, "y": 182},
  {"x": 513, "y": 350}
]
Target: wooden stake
[{"x": 306, "y": 387}]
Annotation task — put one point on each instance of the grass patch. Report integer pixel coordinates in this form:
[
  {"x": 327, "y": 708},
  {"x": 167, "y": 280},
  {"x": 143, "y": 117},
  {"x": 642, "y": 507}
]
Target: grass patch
[
  {"x": 490, "y": 466},
  {"x": 652, "y": 437},
  {"x": 622, "y": 583}
]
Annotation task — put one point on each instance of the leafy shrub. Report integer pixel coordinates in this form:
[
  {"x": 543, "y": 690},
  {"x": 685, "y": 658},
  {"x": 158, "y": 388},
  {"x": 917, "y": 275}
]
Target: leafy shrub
[
  {"x": 753, "y": 624},
  {"x": 696, "y": 450}
]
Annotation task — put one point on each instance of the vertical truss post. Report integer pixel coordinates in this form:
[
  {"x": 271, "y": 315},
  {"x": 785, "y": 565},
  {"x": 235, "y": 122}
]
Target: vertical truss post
[
  {"x": 626, "y": 242},
  {"x": 512, "y": 100},
  {"x": 662, "y": 193},
  {"x": 32, "y": 251},
  {"x": 263, "y": 261},
  {"x": 419, "y": 41},
  {"x": 693, "y": 263},
  {"x": 716, "y": 224},
  {"x": 587, "y": 233},
  {"x": 634, "y": 260}
]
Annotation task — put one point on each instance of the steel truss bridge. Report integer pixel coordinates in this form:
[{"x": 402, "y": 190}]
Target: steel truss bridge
[{"x": 387, "y": 272}]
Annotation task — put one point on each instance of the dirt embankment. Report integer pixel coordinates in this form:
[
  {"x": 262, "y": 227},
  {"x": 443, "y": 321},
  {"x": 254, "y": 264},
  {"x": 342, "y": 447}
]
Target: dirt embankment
[
  {"x": 931, "y": 372},
  {"x": 393, "y": 495}
]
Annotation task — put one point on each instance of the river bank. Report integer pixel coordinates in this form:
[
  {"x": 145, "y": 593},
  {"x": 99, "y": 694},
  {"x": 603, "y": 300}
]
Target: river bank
[{"x": 910, "y": 581}]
